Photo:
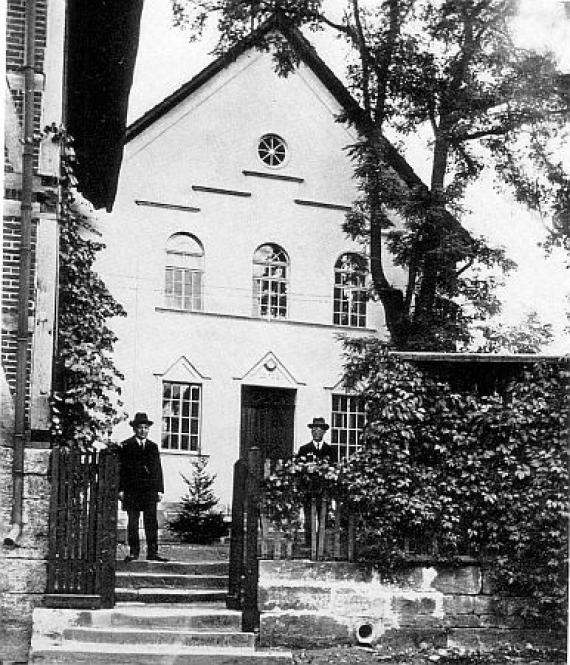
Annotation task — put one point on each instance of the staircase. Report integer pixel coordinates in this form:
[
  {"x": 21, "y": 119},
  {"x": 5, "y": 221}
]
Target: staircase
[{"x": 165, "y": 614}]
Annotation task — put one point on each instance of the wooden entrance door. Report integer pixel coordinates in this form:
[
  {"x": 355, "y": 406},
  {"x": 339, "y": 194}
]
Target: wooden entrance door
[{"x": 267, "y": 421}]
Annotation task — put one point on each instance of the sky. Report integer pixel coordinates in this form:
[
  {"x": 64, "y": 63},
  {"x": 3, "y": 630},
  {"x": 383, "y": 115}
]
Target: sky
[{"x": 166, "y": 60}]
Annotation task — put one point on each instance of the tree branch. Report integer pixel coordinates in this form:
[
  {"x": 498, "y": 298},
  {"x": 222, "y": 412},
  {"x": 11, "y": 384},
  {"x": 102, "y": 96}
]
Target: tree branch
[{"x": 364, "y": 58}]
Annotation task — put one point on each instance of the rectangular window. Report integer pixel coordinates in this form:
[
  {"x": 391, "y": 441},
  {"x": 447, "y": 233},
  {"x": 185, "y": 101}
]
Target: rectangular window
[
  {"x": 181, "y": 414},
  {"x": 183, "y": 289},
  {"x": 349, "y": 302},
  {"x": 270, "y": 295},
  {"x": 348, "y": 417}
]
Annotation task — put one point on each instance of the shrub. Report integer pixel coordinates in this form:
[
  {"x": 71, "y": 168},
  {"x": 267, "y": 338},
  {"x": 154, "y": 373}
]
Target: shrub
[
  {"x": 197, "y": 521},
  {"x": 485, "y": 475}
]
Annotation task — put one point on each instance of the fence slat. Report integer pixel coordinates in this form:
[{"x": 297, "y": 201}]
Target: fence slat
[
  {"x": 322, "y": 528},
  {"x": 53, "y": 505},
  {"x": 313, "y": 527},
  {"x": 337, "y": 525},
  {"x": 351, "y": 537}
]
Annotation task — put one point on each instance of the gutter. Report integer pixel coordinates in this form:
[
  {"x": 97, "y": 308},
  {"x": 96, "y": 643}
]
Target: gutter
[{"x": 23, "y": 334}]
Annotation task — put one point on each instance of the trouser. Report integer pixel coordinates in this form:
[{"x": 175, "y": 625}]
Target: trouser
[{"x": 150, "y": 528}]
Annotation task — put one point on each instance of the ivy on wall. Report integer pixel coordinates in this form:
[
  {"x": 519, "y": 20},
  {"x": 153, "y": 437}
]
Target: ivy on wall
[
  {"x": 86, "y": 403},
  {"x": 483, "y": 475}
]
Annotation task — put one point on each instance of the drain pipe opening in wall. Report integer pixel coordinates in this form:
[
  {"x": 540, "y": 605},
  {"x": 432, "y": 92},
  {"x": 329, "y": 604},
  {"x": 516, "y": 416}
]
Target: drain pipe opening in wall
[
  {"x": 23, "y": 335},
  {"x": 365, "y": 633}
]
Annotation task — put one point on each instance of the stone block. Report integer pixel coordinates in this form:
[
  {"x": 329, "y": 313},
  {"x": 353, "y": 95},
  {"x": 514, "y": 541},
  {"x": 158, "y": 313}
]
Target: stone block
[
  {"x": 18, "y": 606},
  {"x": 293, "y": 598},
  {"x": 421, "y": 612},
  {"x": 400, "y": 639},
  {"x": 464, "y": 604},
  {"x": 486, "y": 639},
  {"x": 36, "y": 461},
  {"x": 23, "y": 576},
  {"x": 310, "y": 570},
  {"x": 488, "y": 587},
  {"x": 15, "y": 640},
  {"x": 36, "y": 486},
  {"x": 304, "y": 630},
  {"x": 413, "y": 606},
  {"x": 351, "y": 601},
  {"x": 465, "y": 580},
  {"x": 411, "y": 578}
]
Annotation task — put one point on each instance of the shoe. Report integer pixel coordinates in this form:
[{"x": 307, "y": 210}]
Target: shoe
[
  {"x": 156, "y": 557},
  {"x": 131, "y": 557}
]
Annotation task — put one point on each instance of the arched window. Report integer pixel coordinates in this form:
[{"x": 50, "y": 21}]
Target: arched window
[
  {"x": 184, "y": 269},
  {"x": 270, "y": 281},
  {"x": 350, "y": 294}
]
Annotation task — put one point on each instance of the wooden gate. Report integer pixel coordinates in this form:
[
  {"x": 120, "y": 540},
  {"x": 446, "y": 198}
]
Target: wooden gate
[{"x": 82, "y": 528}]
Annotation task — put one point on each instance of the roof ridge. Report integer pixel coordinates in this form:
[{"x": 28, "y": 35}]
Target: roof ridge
[{"x": 311, "y": 58}]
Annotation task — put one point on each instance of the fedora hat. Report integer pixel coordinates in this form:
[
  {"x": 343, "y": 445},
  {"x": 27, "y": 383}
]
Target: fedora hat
[
  {"x": 140, "y": 419},
  {"x": 319, "y": 422}
]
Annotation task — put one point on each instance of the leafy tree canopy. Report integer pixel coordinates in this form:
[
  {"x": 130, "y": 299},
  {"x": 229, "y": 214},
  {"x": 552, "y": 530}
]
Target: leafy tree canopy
[{"x": 453, "y": 67}]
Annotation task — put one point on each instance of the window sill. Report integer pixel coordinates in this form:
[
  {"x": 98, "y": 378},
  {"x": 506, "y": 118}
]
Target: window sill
[{"x": 193, "y": 453}]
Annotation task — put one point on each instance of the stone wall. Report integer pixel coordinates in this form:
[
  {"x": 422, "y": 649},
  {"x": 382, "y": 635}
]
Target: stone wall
[
  {"x": 308, "y": 604},
  {"x": 22, "y": 569}
]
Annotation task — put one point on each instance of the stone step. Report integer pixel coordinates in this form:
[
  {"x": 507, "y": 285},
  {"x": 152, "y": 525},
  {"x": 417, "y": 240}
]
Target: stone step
[
  {"x": 169, "y": 617},
  {"x": 159, "y": 580},
  {"x": 174, "y": 567},
  {"x": 185, "y": 552},
  {"x": 85, "y": 653},
  {"x": 185, "y": 638},
  {"x": 156, "y": 595}
]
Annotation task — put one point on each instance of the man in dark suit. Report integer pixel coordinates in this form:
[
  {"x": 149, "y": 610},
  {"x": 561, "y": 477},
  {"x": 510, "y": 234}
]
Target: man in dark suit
[
  {"x": 140, "y": 487},
  {"x": 317, "y": 448}
]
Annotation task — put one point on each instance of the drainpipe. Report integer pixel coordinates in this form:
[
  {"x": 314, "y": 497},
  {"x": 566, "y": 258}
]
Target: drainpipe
[{"x": 11, "y": 540}]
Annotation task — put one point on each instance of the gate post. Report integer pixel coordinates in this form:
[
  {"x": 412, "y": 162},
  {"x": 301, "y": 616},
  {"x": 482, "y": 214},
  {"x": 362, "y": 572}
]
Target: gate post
[
  {"x": 107, "y": 516},
  {"x": 234, "y": 600},
  {"x": 250, "y": 617}
]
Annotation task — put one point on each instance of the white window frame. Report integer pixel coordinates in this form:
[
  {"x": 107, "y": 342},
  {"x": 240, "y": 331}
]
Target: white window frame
[
  {"x": 183, "y": 285},
  {"x": 177, "y": 414},
  {"x": 347, "y": 423},
  {"x": 271, "y": 285},
  {"x": 272, "y": 150},
  {"x": 350, "y": 294}
]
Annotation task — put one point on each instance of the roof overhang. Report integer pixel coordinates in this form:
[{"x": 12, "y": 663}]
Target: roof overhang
[{"x": 101, "y": 48}]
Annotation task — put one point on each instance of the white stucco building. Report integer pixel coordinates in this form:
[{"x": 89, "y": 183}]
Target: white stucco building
[{"x": 226, "y": 248}]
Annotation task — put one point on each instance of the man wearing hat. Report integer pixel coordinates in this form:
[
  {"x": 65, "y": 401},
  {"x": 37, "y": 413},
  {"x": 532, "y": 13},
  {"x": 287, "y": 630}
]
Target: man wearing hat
[
  {"x": 140, "y": 487},
  {"x": 317, "y": 448}
]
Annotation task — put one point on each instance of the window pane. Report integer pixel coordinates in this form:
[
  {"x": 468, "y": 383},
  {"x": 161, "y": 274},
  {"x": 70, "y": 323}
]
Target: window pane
[
  {"x": 350, "y": 295},
  {"x": 181, "y": 416},
  {"x": 270, "y": 267},
  {"x": 348, "y": 418}
]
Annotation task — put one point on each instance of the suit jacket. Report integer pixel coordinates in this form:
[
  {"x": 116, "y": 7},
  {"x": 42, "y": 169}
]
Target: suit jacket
[
  {"x": 140, "y": 470},
  {"x": 309, "y": 450}
]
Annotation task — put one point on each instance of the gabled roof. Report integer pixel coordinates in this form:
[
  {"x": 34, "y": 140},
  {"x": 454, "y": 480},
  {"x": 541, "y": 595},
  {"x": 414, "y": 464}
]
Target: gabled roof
[{"x": 303, "y": 48}]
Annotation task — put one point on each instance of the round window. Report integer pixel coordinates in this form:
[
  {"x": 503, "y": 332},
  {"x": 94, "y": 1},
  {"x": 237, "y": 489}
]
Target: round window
[{"x": 272, "y": 150}]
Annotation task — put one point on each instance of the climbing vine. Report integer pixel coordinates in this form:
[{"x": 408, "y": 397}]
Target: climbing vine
[
  {"x": 482, "y": 475},
  {"x": 86, "y": 403}
]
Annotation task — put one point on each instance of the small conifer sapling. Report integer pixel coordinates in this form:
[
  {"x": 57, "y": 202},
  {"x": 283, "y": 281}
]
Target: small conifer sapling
[{"x": 197, "y": 520}]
